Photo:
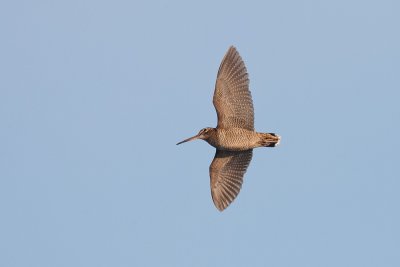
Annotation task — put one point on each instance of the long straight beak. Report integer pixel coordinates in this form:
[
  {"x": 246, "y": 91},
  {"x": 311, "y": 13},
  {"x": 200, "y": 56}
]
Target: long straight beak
[{"x": 189, "y": 139}]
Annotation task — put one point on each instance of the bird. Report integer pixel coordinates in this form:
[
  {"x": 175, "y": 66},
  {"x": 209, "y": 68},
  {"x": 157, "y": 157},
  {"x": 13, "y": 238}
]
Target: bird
[{"x": 234, "y": 137}]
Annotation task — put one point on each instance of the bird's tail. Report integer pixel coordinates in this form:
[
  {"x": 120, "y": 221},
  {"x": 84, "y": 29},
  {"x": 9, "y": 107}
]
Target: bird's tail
[{"x": 269, "y": 139}]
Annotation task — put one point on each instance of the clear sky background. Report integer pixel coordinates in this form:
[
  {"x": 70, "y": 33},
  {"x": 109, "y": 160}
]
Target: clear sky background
[{"x": 94, "y": 95}]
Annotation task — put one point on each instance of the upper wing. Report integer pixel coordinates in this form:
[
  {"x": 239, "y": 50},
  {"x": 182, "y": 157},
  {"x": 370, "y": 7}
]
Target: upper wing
[
  {"x": 232, "y": 97},
  {"x": 226, "y": 173}
]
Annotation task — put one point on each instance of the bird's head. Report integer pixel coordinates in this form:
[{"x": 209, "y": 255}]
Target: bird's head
[{"x": 203, "y": 134}]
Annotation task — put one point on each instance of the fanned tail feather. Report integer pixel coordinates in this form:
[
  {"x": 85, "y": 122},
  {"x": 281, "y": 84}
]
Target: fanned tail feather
[{"x": 269, "y": 139}]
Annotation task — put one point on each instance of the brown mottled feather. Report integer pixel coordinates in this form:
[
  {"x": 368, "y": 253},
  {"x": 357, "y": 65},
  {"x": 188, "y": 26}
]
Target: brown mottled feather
[
  {"x": 232, "y": 97},
  {"x": 226, "y": 173}
]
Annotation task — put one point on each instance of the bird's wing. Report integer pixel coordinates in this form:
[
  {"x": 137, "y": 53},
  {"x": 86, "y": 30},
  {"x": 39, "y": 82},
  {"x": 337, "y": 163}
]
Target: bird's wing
[
  {"x": 232, "y": 97},
  {"x": 226, "y": 175}
]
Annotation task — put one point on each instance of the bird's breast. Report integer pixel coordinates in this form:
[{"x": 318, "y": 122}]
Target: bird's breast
[{"x": 233, "y": 139}]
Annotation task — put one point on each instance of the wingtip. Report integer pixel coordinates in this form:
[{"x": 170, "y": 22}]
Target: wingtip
[
  {"x": 220, "y": 209},
  {"x": 219, "y": 206},
  {"x": 233, "y": 49}
]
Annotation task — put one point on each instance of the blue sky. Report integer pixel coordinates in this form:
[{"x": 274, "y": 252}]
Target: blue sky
[{"x": 94, "y": 95}]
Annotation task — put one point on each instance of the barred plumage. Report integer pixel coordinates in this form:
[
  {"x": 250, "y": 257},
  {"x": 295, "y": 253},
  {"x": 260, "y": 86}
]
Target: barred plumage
[
  {"x": 234, "y": 137},
  {"x": 226, "y": 173},
  {"x": 232, "y": 97}
]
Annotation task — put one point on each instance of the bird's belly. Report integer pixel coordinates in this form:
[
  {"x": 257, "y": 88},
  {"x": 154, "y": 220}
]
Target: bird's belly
[{"x": 235, "y": 139}]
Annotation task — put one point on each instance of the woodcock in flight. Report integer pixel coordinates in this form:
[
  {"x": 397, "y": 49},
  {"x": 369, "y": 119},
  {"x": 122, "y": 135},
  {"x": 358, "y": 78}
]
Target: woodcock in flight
[{"x": 234, "y": 137}]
